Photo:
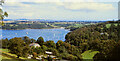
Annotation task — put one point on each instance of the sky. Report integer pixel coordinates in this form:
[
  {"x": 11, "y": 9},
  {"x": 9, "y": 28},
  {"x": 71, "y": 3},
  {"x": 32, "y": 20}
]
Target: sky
[{"x": 62, "y": 9}]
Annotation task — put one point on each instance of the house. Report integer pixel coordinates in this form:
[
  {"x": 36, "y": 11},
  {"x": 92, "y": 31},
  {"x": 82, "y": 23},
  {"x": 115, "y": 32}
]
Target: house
[
  {"x": 34, "y": 44},
  {"x": 101, "y": 33},
  {"x": 30, "y": 56},
  {"x": 49, "y": 53},
  {"x": 104, "y": 33}
]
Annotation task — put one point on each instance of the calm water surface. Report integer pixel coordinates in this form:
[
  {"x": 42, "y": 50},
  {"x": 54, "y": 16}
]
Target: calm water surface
[{"x": 47, "y": 34}]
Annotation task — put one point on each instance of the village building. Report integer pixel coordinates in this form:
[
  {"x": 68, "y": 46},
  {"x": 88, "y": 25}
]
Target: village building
[{"x": 34, "y": 44}]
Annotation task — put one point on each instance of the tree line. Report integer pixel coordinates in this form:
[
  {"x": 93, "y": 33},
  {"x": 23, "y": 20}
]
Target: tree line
[
  {"x": 62, "y": 50},
  {"x": 100, "y": 37}
]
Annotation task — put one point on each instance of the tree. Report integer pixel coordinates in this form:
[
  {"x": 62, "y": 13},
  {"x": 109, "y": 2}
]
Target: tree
[
  {"x": 38, "y": 50},
  {"x": 40, "y": 41},
  {"x": 49, "y": 58},
  {"x": 34, "y": 55},
  {"x": 118, "y": 27},
  {"x": 59, "y": 43},
  {"x": 99, "y": 57},
  {"x": 55, "y": 51},
  {"x": 114, "y": 54},
  {"x": 50, "y": 44},
  {"x": 18, "y": 47},
  {"x": 33, "y": 40},
  {"x": 5, "y": 43},
  {"x": 119, "y": 20},
  {"x": 2, "y": 14},
  {"x": 26, "y": 50},
  {"x": 27, "y": 40},
  {"x": 44, "y": 48},
  {"x": 62, "y": 49}
]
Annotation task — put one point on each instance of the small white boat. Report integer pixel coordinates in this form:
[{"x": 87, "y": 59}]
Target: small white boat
[
  {"x": 26, "y": 32},
  {"x": 54, "y": 35}
]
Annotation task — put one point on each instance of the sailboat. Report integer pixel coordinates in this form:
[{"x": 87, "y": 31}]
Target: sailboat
[
  {"x": 26, "y": 32},
  {"x": 54, "y": 34},
  {"x": 16, "y": 33}
]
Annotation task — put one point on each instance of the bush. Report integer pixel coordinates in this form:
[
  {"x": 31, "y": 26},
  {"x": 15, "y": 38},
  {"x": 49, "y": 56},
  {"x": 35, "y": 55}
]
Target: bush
[
  {"x": 69, "y": 57},
  {"x": 34, "y": 55},
  {"x": 49, "y": 59}
]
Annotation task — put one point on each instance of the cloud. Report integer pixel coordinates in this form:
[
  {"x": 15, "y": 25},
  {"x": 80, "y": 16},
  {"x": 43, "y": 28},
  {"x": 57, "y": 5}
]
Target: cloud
[
  {"x": 78, "y": 5},
  {"x": 87, "y": 6},
  {"x": 63, "y": 0},
  {"x": 16, "y": 4},
  {"x": 61, "y": 10}
]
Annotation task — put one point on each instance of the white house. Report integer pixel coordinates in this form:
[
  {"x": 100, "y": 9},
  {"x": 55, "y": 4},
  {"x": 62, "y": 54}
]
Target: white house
[
  {"x": 47, "y": 52},
  {"x": 34, "y": 44}
]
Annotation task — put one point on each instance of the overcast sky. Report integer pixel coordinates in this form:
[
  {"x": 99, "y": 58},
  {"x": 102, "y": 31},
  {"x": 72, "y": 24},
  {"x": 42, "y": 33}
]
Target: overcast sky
[{"x": 62, "y": 10}]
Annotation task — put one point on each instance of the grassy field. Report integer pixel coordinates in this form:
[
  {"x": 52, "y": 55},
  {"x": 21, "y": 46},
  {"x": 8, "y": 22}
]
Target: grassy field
[
  {"x": 4, "y": 50},
  {"x": 12, "y": 57},
  {"x": 108, "y": 25},
  {"x": 89, "y": 54},
  {"x": 3, "y": 56}
]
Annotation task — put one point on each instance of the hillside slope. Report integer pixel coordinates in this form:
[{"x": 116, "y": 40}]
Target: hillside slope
[{"x": 96, "y": 37}]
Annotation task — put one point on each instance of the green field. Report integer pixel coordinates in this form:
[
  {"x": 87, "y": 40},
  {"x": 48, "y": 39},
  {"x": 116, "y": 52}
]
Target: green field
[
  {"x": 89, "y": 54},
  {"x": 108, "y": 25},
  {"x": 3, "y": 56},
  {"x": 4, "y": 50},
  {"x": 7, "y": 55}
]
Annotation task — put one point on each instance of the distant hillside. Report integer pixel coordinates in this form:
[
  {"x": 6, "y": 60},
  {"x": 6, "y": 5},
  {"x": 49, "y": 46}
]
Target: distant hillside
[
  {"x": 97, "y": 34},
  {"x": 36, "y": 24}
]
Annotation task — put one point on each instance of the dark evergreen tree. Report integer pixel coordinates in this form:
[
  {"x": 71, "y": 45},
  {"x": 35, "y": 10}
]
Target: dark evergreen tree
[{"x": 40, "y": 41}]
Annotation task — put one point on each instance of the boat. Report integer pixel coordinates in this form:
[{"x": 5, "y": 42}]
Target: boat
[{"x": 26, "y": 32}]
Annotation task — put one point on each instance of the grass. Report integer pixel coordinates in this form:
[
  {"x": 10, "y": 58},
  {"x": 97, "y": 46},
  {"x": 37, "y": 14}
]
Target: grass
[
  {"x": 12, "y": 57},
  {"x": 108, "y": 25},
  {"x": 4, "y": 50},
  {"x": 4, "y": 57},
  {"x": 89, "y": 54},
  {"x": 78, "y": 25}
]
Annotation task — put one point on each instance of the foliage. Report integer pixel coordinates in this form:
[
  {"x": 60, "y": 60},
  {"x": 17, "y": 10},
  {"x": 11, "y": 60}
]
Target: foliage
[
  {"x": 50, "y": 44},
  {"x": 4, "y": 50},
  {"x": 2, "y": 14},
  {"x": 40, "y": 41},
  {"x": 95, "y": 37},
  {"x": 49, "y": 58},
  {"x": 34, "y": 55},
  {"x": 55, "y": 51},
  {"x": 89, "y": 54},
  {"x": 18, "y": 47},
  {"x": 33, "y": 40},
  {"x": 102, "y": 37},
  {"x": 44, "y": 47},
  {"x": 69, "y": 57},
  {"x": 24, "y": 26},
  {"x": 43, "y": 24},
  {"x": 99, "y": 57},
  {"x": 5, "y": 43},
  {"x": 27, "y": 40}
]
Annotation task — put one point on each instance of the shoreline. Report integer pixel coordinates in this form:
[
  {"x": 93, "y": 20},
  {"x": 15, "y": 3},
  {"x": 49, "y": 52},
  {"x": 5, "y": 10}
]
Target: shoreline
[{"x": 37, "y": 28}]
